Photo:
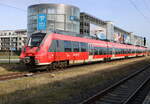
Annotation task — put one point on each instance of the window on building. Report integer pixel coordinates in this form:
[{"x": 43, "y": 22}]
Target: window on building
[
  {"x": 51, "y": 11},
  {"x": 42, "y": 10}
]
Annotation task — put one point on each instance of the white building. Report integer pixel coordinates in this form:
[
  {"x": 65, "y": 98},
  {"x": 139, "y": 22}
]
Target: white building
[{"x": 12, "y": 39}]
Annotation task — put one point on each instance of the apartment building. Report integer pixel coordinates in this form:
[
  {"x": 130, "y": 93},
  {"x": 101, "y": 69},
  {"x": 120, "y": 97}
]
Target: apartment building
[{"x": 12, "y": 39}]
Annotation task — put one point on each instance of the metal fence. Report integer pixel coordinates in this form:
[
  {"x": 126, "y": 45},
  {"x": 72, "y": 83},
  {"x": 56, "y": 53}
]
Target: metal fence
[{"x": 7, "y": 56}]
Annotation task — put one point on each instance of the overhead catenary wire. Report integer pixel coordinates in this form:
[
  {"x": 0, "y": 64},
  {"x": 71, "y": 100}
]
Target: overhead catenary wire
[
  {"x": 138, "y": 10},
  {"x": 6, "y": 5},
  {"x": 146, "y": 5}
]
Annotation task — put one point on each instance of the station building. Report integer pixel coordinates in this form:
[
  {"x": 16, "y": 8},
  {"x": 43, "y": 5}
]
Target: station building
[
  {"x": 68, "y": 18},
  {"x": 51, "y": 17}
]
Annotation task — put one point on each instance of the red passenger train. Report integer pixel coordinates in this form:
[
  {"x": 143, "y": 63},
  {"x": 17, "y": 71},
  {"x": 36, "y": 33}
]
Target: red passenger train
[{"x": 57, "y": 50}]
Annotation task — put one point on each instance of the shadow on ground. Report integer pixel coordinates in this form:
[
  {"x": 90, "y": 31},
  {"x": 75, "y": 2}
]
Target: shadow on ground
[
  {"x": 68, "y": 91},
  {"x": 14, "y": 67}
]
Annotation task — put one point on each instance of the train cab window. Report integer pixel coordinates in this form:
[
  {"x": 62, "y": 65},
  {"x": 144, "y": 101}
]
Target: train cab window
[
  {"x": 75, "y": 46},
  {"x": 67, "y": 46},
  {"x": 36, "y": 39},
  {"x": 83, "y": 47}
]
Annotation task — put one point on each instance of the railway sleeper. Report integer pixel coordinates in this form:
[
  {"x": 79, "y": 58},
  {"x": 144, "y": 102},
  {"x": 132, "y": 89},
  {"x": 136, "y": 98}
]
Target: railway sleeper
[
  {"x": 109, "y": 101},
  {"x": 115, "y": 98}
]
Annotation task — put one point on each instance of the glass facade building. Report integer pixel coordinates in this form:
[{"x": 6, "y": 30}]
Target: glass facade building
[{"x": 58, "y": 17}]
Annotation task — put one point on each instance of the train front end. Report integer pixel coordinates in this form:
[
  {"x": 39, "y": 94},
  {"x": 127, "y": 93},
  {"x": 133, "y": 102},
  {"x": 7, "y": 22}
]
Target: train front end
[{"x": 34, "y": 52}]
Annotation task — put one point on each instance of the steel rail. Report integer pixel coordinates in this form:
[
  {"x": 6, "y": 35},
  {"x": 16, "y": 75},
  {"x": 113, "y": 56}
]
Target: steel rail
[
  {"x": 14, "y": 75},
  {"x": 133, "y": 96},
  {"x": 99, "y": 95}
]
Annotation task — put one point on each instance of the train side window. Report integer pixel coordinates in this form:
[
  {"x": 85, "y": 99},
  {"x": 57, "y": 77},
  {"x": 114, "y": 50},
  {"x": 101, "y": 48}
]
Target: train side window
[
  {"x": 103, "y": 51},
  {"x": 75, "y": 46},
  {"x": 95, "y": 50},
  {"x": 123, "y": 51},
  {"x": 83, "y": 46},
  {"x": 120, "y": 52},
  {"x": 52, "y": 47},
  {"x": 90, "y": 49},
  {"x": 60, "y": 45},
  {"x": 100, "y": 51},
  {"x": 67, "y": 46},
  {"x": 126, "y": 51},
  {"x": 110, "y": 51},
  {"x": 116, "y": 50}
]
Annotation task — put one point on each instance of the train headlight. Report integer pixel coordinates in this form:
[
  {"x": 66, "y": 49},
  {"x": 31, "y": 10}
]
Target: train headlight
[{"x": 27, "y": 60}]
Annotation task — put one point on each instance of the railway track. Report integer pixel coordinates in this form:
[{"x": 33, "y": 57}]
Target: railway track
[
  {"x": 39, "y": 71},
  {"x": 130, "y": 90},
  {"x": 14, "y": 75}
]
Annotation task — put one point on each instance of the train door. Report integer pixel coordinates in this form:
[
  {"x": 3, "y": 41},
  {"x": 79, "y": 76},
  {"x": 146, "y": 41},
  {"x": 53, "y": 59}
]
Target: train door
[
  {"x": 59, "y": 53},
  {"x": 113, "y": 52},
  {"x": 52, "y": 51},
  {"x": 91, "y": 52}
]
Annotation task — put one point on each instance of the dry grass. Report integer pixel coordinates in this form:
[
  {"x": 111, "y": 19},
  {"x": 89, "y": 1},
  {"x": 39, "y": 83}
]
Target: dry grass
[{"x": 54, "y": 88}]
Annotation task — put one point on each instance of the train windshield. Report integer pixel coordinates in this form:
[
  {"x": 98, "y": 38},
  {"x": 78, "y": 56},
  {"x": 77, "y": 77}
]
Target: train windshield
[{"x": 36, "y": 39}]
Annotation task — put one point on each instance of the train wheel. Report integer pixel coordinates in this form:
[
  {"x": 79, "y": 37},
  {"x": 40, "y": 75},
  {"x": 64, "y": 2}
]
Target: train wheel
[
  {"x": 56, "y": 65},
  {"x": 65, "y": 64},
  {"x": 61, "y": 65},
  {"x": 107, "y": 59},
  {"x": 49, "y": 67}
]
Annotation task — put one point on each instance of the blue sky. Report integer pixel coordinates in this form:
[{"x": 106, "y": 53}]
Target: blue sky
[{"x": 121, "y": 12}]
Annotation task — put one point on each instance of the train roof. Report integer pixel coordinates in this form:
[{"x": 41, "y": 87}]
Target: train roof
[{"x": 94, "y": 42}]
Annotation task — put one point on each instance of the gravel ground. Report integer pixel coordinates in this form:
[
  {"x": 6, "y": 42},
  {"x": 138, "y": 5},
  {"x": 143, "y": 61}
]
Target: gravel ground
[{"x": 69, "y": 86}]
